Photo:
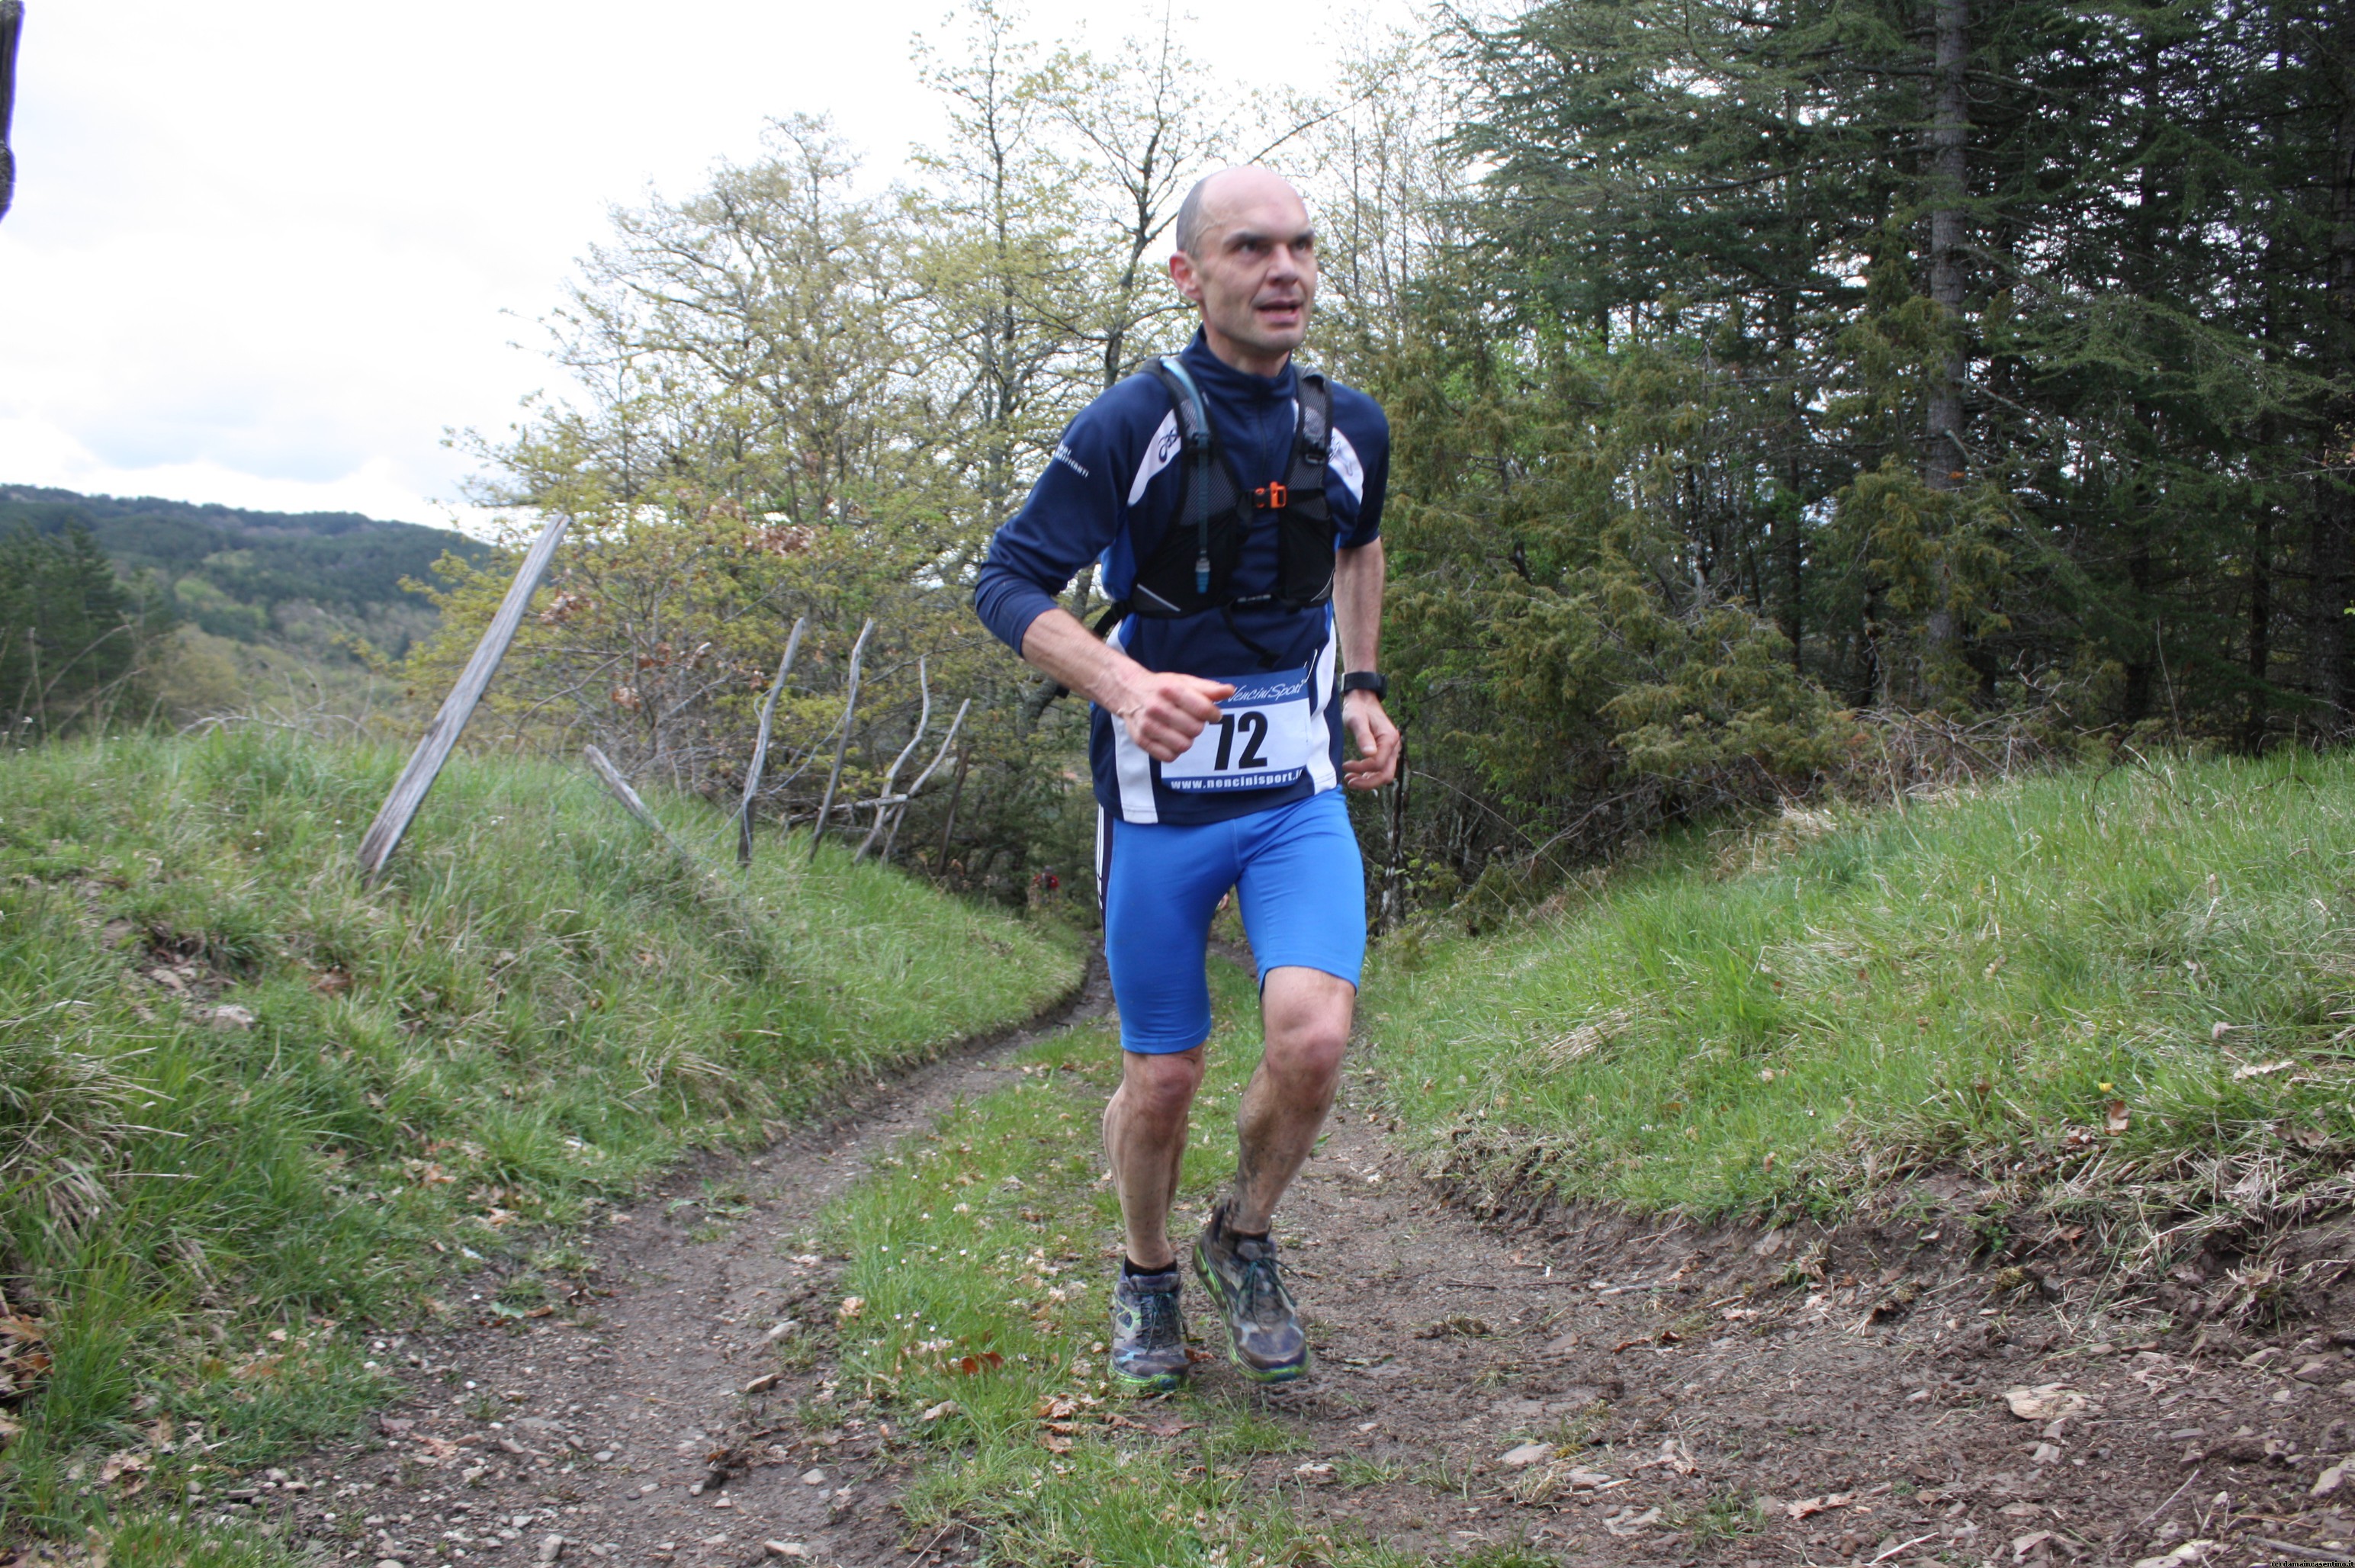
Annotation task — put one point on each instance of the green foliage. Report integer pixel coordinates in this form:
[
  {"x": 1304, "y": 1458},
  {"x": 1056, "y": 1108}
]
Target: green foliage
[
  {"x": 71, "y": 637},
  {"x": 1785, "y": 1024},
  {"x": 256, "y": 576},
  {"x": 538, "y": 1009},
  {"x": 802, "y": 400},
  {"x": 1701, "y": 433}
]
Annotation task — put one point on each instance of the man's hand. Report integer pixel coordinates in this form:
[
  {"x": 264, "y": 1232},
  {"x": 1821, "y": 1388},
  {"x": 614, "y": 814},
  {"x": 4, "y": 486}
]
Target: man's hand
[
  {"x": 1163, "y": 711},
  {"x": 1377, "y": 738}
]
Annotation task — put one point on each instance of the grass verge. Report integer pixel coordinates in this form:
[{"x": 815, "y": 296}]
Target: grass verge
[
  {"x": 247, "y": 1105},
  {"x": 975, "y": 1315},
  {"x": 2106, "y": 994}
]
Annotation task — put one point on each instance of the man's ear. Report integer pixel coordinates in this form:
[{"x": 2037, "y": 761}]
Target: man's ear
[{"x": 1182, "y": 273}]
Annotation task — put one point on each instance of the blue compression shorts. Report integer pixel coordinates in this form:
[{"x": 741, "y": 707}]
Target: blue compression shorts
[{"x": 1304, "y": 902}]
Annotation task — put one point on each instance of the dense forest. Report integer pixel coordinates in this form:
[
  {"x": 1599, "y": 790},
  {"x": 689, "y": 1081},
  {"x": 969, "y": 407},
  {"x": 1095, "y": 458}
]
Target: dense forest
[
  {"x": 1766, "y": 379},
  {"x": 92, "y": 588},
  {"x": 230, "y": 569}
]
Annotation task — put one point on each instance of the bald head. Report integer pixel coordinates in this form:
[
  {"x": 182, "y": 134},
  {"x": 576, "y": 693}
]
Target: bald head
[
  {"x": 1247, "y": 256},
  {"x": 1216, "y": 196}
]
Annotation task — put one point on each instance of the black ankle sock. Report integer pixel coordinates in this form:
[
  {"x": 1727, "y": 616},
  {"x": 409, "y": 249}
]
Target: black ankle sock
[{"x": 1129, "y": 1266}]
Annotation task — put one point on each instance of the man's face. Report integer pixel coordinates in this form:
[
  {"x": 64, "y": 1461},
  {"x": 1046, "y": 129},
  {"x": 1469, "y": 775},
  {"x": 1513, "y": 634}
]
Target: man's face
[{"x": 1256, "y": 274}]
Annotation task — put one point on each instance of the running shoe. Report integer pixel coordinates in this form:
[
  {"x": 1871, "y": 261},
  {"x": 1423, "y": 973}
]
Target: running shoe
[
  {"x": 1247, "y": 1288},
  {"x": 1148, "y": 1333}
]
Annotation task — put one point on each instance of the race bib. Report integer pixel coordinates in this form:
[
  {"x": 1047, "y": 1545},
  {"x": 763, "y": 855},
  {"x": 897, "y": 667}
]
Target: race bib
[{"x": 1265, "y": 735}]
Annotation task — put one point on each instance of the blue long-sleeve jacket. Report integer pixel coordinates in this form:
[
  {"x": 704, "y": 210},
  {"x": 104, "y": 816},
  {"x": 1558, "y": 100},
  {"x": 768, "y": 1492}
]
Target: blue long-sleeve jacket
[{"x": 1108, "y": 491}]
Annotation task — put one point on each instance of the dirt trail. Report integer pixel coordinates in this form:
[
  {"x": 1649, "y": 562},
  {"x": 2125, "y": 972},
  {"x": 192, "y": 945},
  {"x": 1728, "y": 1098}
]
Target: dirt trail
[{"x": 1674, "y": 1397}]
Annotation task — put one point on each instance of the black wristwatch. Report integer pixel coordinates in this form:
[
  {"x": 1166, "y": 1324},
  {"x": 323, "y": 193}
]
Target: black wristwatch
[{"x": 1366, "y": 680}]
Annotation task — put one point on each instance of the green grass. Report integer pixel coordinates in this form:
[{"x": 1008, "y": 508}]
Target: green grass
[
  {"x": 956, "y": 1268},
  {"x": 538, "y": 1009},
  {"x": 1788, "y": 1024}
]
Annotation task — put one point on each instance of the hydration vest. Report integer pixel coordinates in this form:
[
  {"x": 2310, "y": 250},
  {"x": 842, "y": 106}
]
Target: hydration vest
[{"x": 1192, "y": 567}]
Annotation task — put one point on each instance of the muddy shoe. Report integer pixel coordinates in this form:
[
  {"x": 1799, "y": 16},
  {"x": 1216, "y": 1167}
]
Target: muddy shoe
[
  {"x": 1246, "y": 1287},
  {"x": 1148, "y": 1335}
]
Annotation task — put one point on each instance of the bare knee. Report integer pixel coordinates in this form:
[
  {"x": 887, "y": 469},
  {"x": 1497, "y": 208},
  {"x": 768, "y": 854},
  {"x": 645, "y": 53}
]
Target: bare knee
[
  {"x": 1160, "y": 1089},
  {"x": 1306, "y": 1059},
  {"x": 1308, "y": 1016}
]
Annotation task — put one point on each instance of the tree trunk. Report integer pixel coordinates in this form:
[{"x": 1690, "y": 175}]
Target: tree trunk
[
  {"x": 2261, "y": 620},
  {"x": 1943, "y": 461},
  {"x": 2334, "y": 502}
]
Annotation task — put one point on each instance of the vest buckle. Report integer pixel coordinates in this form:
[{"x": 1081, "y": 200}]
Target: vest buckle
[{"x": 1271, "y": 497}]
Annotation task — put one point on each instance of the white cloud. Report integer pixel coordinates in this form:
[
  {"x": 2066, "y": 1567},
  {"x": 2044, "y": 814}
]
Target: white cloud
[{"x": 267, "y": 254}]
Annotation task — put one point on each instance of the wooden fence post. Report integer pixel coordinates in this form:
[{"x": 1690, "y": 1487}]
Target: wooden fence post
[
  {"x": 956, "y": 793},
  {"x": 884, "y": 795},
  {"x": 383, "y": 836},
  {"x": 629, "y": 797},
  {"x": 915, "y": 789},
  {"x": 761, "y": 746},
  {"x": 850, "y": 707}
]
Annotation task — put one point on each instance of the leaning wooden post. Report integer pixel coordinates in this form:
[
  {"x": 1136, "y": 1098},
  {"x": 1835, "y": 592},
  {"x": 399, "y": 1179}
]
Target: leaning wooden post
[
  {"x": 761, "y": 746},
  {"x": 628, "y": 797},
  {"x": 917, "y": 788},
  {"x": 383, "y": 836},
  {"x": 850, "y": 707},
  {"x": 884, "y": 795},
  {"x": 956, "y": 793}
]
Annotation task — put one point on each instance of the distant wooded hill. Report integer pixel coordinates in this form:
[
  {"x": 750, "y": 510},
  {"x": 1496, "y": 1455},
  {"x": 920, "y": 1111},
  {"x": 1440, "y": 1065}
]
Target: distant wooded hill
[{"x": 243, "y": 574}]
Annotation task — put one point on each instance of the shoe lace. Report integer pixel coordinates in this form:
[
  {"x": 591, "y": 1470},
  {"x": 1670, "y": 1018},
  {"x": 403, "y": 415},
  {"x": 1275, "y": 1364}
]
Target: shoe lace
[
  {"x": 1156, "y": 1316},
  {"x": 1262, "y": 1287}
]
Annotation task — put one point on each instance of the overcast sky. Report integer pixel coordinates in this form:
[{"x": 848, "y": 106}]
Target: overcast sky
[{"x": 267, "y": 253}]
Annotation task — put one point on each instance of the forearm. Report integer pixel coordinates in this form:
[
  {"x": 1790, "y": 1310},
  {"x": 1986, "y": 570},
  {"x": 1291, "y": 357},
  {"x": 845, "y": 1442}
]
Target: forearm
[
  {"x": 1358, "y": 578},
  {"x": 1059, "y": 644}
]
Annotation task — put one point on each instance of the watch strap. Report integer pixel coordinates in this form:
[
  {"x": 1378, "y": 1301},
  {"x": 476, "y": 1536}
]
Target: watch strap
[{"x": 1366, "y": 680}]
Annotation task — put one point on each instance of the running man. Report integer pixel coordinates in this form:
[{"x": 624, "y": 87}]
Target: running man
[{"x": 1235, "y": 500}]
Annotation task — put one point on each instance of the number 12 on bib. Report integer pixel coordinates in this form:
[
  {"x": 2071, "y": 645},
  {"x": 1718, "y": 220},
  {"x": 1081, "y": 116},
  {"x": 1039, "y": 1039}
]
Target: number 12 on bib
[{"x": 1265, "y": 735}]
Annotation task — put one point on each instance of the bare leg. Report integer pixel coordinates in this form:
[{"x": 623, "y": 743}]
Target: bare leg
[
  {"x": 1304, "y": 1015},
  {"x": 1144, "y": 1139}
]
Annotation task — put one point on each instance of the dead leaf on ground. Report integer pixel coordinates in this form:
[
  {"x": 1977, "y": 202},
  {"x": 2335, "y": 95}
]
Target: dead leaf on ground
[
  {"x": 1627, "y": 1521},
  {"x": 1456, "y": 1327},
  {"x": 117, "y": 1465},
  {"x": 2045, "y": 1401},
  {"x": 1806, "y": 1507},
  {"x": 1156, "y": 1428},
  {"x": 2114, "y": 1120},
  {"x": 1894, "y": 1304},
  {"x": 1673, "y": 1455}
]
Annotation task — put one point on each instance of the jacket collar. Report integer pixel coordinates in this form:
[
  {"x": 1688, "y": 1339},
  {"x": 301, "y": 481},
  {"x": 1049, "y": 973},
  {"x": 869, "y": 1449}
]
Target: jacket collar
[{"x": 1217, "y": 376}]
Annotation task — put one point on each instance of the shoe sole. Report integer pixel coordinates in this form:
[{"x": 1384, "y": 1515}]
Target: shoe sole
[
  {"x": 1257, "y": 1373},
  {"x": 1167, "y": 1383}
]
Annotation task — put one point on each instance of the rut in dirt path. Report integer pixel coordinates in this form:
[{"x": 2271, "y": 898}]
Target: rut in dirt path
[
  {"x": 600, "y": 1430},
  {"x": 1619, "y": 1392}
]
